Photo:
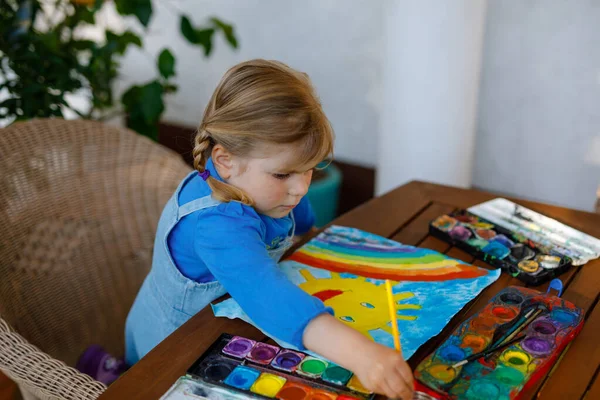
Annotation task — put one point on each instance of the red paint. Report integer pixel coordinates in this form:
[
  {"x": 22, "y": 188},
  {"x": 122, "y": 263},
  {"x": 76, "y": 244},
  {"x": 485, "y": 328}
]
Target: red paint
[
  {"x": 327, "y": 294},
  {"x": 504, "y": 312}
]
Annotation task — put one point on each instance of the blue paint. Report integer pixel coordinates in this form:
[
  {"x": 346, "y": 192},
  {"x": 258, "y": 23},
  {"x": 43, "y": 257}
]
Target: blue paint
[
  {"x": 562, "y": 316},
  {"x": 496, "y": 249},
  {"x": 452, "y": 353},
  {"x": 242, "y": 377}
]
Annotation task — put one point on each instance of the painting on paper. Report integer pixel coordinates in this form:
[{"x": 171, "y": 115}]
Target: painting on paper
[{"x": 346, "y": 268}]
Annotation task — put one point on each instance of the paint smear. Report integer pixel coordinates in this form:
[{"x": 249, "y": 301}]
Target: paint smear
[{"x": 321, "y": 395}]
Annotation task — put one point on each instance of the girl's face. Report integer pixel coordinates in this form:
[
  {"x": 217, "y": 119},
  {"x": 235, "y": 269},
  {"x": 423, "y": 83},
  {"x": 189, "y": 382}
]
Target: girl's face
[{"x": 267, "y": 177}]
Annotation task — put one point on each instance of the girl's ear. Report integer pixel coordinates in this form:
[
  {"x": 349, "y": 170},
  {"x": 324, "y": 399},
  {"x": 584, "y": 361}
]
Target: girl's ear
[{"x": 223, "y": 161}]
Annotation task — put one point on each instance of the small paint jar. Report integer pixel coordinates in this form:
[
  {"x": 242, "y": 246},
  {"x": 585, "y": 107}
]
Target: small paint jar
[
  {"x": 287, "y": 360},
  {"x": 238, "y": 347},
  {"x": 262, "y": 353},
  {"x": 548, "y": 262},
  {"x": 460, "y": 232}
]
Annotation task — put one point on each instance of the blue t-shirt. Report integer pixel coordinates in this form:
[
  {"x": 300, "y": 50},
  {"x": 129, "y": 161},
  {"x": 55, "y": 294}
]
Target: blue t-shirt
[{"x": 228, "y": 243}]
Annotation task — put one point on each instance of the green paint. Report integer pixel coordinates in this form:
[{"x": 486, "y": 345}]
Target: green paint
[
  {"x": 509, "y": 376},
  {"x": 313, "y": 366},
  {"x": 337, "y": 375},
  {"x": 516, "y": 361}
]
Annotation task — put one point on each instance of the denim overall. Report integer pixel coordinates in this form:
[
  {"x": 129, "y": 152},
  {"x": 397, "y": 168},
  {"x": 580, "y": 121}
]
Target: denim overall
[{"x": 167, "y": 299}]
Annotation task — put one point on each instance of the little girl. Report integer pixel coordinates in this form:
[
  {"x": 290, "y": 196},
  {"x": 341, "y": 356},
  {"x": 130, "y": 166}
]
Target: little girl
[{"x": 228, "y": 223}]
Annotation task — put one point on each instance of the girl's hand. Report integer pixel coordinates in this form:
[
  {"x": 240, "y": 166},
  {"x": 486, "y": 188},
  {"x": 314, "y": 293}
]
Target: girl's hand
[{"x": 383, "y": 370}]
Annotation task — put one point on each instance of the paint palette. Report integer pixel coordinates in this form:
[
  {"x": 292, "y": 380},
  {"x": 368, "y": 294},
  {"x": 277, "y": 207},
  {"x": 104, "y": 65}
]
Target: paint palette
[
  {"x": 513, "y": 252},
  {"x": 235, "y": 367},
  {"x": 503, "y": 374}
]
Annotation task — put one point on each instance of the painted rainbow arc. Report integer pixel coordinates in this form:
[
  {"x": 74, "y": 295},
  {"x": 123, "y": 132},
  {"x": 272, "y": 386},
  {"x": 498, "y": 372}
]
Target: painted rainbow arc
[{"x": 402, "y": 263}]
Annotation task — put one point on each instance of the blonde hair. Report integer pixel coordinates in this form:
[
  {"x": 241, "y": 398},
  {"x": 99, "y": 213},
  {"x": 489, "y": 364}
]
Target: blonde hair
[{"x": 260, "y": 102}]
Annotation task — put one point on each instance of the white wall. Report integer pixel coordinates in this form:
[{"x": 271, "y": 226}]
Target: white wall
[
  {"x": 338, "y": 43},
  {"x": 539, "y": 112},
  {"x": 431, "y": 78}
]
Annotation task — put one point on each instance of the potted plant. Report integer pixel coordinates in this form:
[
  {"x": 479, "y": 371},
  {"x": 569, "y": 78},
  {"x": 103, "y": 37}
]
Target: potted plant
[{"x": 44, "y": 59}]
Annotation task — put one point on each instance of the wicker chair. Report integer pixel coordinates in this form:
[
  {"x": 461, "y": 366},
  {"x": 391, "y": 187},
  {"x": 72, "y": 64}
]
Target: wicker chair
[{"x": 79, "y": 204}]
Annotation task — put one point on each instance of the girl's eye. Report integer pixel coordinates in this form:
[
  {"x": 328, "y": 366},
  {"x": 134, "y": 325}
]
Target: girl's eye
[{"x": 281, "y": 176}]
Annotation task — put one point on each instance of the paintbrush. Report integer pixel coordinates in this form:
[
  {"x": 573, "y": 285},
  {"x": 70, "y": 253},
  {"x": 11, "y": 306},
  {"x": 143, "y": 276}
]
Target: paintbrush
[
  {"x": 520, "y": 325},
  {"x": 487, "y": 352},
  {"x": 393, "y": 318}
]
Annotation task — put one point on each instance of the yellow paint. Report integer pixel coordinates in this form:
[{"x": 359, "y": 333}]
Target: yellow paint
[
  {"x": 362, "y": 305},
  {"x": 357, "y": 385},
  {"x": 441, "y": 372},
  {"x": 516, "y": 359},
  {"x": 268, "y": 384}
]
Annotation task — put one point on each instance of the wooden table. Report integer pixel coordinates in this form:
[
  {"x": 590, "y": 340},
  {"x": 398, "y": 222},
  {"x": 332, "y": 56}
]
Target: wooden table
[{"x": 403, "y": 215}]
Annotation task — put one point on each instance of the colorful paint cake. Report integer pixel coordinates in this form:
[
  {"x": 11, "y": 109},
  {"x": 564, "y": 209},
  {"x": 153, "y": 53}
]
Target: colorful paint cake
[
  {"x": 504, "y": 374},
  {"x": 251, "y": 369},
  {"x": 530, "y": 261}
]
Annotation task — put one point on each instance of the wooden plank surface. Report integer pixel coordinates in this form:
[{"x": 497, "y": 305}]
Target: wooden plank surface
[{"x": 404, "y": 215}]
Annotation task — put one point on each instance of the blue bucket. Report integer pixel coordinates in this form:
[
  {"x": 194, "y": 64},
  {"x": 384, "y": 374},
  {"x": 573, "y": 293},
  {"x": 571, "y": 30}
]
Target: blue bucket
[{"x": 324, "y": 195}]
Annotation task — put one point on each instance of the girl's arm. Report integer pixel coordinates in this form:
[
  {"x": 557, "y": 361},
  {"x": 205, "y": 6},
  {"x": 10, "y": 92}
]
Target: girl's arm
[{"x": 379, "y": 368}]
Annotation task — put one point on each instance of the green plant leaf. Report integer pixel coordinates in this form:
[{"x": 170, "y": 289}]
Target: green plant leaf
[
  {"x": 227, "y": 30},
  {"x": 187, "y": 30},
  {"x": 142, "y": 9},
  {"x": 152, "y": 102},
  {"x": 166, "y": 64}
]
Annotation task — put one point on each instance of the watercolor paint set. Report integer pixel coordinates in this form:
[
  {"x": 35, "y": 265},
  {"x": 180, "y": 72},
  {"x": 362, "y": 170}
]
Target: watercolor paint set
[
  {"x": 239, "y": 368},
  {"x": 525, "y": 244},
  {"x": 535, "y": 328}
]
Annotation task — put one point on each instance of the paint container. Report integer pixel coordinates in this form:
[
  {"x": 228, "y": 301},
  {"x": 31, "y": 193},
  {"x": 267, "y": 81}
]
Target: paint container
[
  {"x": 481, "y": 225},
  {"x": 287, "y": 360},
  {"x": 485, "y": 234},
  {"x": 496, "y": 249},
  {"x": 520, "y": 252},
  {"x": 262, "y": 353},
  {"x": 537, "y": 346},
  {"x": 218, "y": 369},
  {"x": 242, "y": 377},
  {"x": 511, "y": 298},
  {"x": 460, "y": 232},
  {"x": 483, "y": 323},
  {"x": 504, "y": 313},
  {"x": 548, "y": 262},
  {"x": 529, "y": 266},
  {"x": 476, "y": 343},
  {"x": 441, "y": 373},
  {"x": 563, "y": 317},
  {"x": 293, "y": 391},
  {"x": 543, "y": 327},
  {"x": 239, "y": 347},
  {"x": 268, "y": 385},
  {"x": 503, "y": 240},
  {"x": 451, "y": 353},
  {"x": 466, "y": 219},
  {"x": 336, "y": 375},
  {"x": 509, "y": 376},
  {"x": 477, "y": 243},
  {"x": 483, "y": 389},
  {"x": 445, "y": 223},
  {"x": 515, "y": 358},
  {"x": 321, "y": 395},
  {"x": 312, "y": 367},
  {"x": 356, "y": 385},
  {"x": 346, "y": 397}
]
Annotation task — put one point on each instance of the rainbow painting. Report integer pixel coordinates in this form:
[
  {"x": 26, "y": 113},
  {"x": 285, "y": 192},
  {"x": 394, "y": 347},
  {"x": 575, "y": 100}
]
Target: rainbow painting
[{"x": 346, "y": 268}]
